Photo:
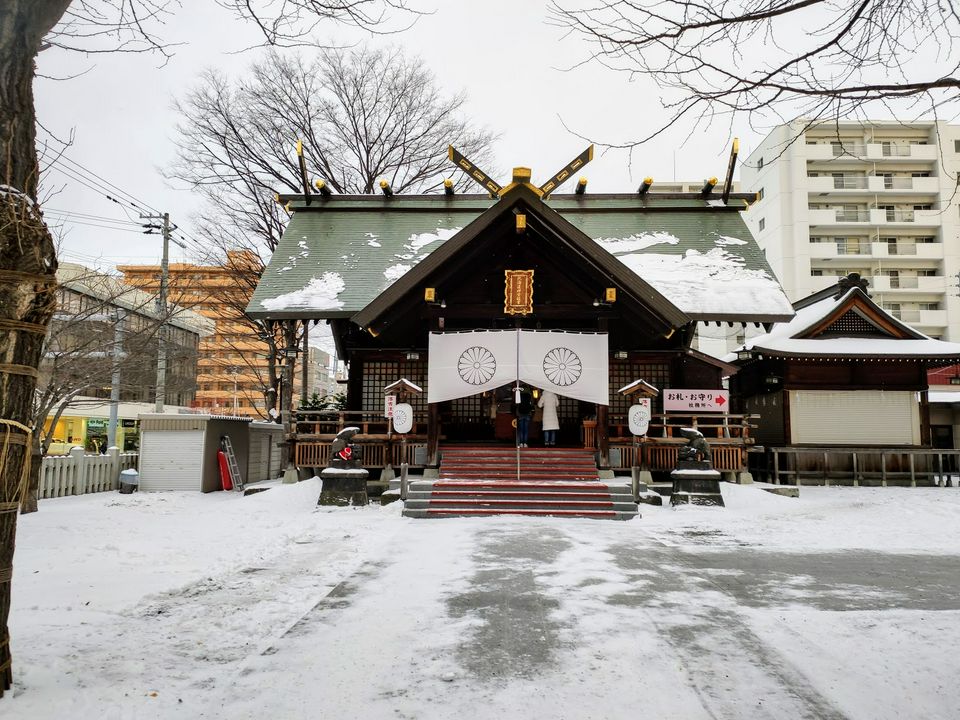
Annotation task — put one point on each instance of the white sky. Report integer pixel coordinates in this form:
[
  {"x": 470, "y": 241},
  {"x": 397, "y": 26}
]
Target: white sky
[{"x": 502, "y": 52}]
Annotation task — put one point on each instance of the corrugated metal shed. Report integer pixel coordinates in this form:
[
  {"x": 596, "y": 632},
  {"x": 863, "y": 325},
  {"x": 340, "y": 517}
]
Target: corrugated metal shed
[{"x": 179, "y": 452}]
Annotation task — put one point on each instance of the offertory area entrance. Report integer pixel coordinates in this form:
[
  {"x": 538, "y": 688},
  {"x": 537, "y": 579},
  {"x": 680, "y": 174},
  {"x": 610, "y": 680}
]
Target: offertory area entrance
[{"x": 490, "y": 417}]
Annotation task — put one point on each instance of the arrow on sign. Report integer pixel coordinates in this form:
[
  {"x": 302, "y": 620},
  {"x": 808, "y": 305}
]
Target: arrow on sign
[{"x": 720, "y": 401}]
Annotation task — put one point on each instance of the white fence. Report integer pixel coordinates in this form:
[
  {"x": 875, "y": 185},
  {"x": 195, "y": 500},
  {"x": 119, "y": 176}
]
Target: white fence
[{"x": 79, "y": 473}]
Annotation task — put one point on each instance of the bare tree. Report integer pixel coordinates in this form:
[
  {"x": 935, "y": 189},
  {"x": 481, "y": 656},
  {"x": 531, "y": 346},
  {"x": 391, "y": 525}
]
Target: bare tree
[
  {"x": 100, "y": 326},
  {"x": 821, "y": 59},
  {"x": 363, "y": 115},
  {"x": 27, "y": 257}
]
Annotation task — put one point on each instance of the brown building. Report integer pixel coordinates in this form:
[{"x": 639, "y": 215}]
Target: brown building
[{"x": 232, "y": 364}]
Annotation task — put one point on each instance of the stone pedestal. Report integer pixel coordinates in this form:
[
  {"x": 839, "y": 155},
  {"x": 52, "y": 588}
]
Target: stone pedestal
[
  {"x": 695, "y": 483},
  {"x": 343, "y": 486}
]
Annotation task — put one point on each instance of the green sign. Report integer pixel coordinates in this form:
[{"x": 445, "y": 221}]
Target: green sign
[{"x": 96, "y": 425}]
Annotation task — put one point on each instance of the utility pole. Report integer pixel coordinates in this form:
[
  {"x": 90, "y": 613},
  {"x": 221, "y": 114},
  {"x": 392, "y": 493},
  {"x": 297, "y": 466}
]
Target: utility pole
[
  {"x": 162, "y": 309},
  {"x": 116, "y": 355}
]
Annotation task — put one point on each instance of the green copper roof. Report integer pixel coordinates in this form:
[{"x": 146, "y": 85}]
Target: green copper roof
[{"x": 340, "y": 253}]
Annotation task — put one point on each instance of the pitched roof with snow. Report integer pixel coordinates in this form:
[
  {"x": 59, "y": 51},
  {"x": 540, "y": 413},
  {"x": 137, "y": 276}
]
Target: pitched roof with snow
[
  {"x": 847, "y": 324},
  {"x": 339, "y": 254}
]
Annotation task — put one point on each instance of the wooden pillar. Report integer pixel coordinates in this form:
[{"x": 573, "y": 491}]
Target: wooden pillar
[
  {"x": 603, "y": 438},
  {"x": 433, "y": 435},
  {"x": 926, "y": 439},
  {"x": 286, "y": 393},
  {"x": 603, "y": 420},
  {"x": 355, "y": 373}
]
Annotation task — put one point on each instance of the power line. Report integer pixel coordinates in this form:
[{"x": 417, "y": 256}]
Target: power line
[
  {"x": 63, "y": 222},
  {"x": 108, "y": 187},
  {"x": 78, "y": 172},
  {"x": 86, "y": 216}
]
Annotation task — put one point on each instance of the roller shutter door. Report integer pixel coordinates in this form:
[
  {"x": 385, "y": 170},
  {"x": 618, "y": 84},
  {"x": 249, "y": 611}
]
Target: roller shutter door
[
  {"x": 854, "y": 417},
  {"x": 171, "y": 460}
]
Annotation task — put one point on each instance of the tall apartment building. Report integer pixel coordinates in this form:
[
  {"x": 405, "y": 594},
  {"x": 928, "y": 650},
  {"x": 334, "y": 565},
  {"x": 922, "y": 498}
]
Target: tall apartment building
[
  {"x": 877, "y": 198},
  {"x": 321, "y": 373},
  {"x": 232, "y": 364}
]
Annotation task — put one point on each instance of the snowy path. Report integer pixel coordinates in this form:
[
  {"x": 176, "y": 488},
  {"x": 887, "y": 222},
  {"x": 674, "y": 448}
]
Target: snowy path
[
  {"x": 503, "y": 618},
  {"x": 364, "y": 614}
]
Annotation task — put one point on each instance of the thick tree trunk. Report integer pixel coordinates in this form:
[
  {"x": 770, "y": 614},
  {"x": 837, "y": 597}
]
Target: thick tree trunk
[{"x": 27, "y": 273}]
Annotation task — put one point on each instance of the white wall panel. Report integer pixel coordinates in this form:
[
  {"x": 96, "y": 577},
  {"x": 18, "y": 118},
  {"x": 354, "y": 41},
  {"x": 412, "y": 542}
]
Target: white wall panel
[
  {"x": 854, "y": 417},
  {"x": 171, "y": 460}
]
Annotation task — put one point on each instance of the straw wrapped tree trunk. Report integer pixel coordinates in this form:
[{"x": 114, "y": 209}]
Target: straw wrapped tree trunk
[{"x": 27, "y": 272}]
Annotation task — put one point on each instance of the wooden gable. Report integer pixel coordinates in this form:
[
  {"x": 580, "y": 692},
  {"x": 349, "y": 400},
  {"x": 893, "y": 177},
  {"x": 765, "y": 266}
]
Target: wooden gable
[
  {"x": 575, "y": 281},
  {"x": 859, "y": 317}
]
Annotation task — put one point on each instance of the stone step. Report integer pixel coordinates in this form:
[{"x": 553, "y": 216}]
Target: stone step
[
  {"x": 542, "y": 486},
  {"x": 485, "y": 512},
  {"x": 521, "y": 498},
  {"x": 524, "y": 475},
  {"x": 519, "y": 494},
  {"x": 528, "y": 503},
  {"x": 524, "y": 459}
]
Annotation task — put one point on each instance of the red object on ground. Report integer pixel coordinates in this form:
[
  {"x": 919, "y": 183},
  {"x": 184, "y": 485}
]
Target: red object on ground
[{"x": 225, "y": 480}]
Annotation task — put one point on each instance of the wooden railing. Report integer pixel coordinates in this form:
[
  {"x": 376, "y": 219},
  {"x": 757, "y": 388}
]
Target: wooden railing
[
  {"x": 729, "y": 437},
  {"x": 316, "y": 424},
  {"x": 370, "y": 454},
  {"x": 376, "y": 446},
  {"x": 855, "y": 466},
  {"x": 718, "y": 426},
  {"x": 661, "y": 455}
]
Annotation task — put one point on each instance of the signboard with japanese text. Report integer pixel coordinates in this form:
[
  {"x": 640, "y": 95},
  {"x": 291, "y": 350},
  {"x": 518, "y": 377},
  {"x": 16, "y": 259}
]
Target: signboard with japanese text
[
  {"x": 389, "y": 403},
  {"x": 518, "y": 292},
  {"x": 696, "y": 400},
  {"x": 639, "y": 417}
]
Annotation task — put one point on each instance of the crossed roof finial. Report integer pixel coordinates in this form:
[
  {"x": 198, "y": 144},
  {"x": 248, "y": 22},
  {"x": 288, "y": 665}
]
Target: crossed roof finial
[{"x": 521, "y": 175}]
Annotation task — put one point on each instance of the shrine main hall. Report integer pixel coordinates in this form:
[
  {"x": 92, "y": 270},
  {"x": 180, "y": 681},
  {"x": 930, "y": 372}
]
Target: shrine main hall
[{"x": 465, "y": 296}]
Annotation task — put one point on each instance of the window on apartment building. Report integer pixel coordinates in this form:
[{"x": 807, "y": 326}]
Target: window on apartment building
[
  {"x": 920, "y": 174},
  {"x": 923, "y": 207},
  {"x": 929, "y": 306},
  {"x": 759, "y": 194},
  {"x": 760, "y": 164},
  {"x": 762, "y": 224},
  {"x": 816, "y": 273},
  {"x": 927, "y": 273}
]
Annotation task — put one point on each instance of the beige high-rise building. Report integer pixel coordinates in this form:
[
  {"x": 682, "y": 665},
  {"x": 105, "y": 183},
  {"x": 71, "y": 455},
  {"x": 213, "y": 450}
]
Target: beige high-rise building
[
  {"x": 877, "y": 198},
  {"x": 232, "y": 363}
]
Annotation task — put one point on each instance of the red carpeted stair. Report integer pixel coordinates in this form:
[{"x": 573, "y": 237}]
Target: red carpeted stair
[{"x": 552, "y": 481}]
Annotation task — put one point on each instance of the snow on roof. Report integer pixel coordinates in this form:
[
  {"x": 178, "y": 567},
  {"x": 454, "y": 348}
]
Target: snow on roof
[
  {"x": 403, "y": 383},
  {"x": 783, "y": 338},
  {"x": 636, "y": 385},
  {"x": 705, "y": 263},
  {"x": 712, "y": 282},
  {"x": 318, "y": 294}
]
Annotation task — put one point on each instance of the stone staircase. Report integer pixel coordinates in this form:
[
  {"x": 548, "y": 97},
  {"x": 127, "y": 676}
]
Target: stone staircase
[
  {"x": 477, "y": 481},
  {"x": 497, "y": 462}
]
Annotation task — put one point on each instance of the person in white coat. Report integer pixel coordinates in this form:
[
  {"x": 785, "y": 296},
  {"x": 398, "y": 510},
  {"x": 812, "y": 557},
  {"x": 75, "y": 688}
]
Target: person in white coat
[{"x": 548, "y": 402}]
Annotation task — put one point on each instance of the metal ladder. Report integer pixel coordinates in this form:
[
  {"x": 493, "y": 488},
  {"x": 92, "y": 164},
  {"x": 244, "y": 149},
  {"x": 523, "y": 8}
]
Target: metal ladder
[{"x": 227, "y": 448}]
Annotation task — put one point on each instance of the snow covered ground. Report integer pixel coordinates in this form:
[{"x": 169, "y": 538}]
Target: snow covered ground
[{"x": 842, "y": 603}]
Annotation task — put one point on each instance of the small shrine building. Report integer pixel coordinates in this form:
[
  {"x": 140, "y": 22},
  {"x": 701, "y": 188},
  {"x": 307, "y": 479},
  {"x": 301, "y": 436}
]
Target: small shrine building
[{"x": 841, "y": 391}]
